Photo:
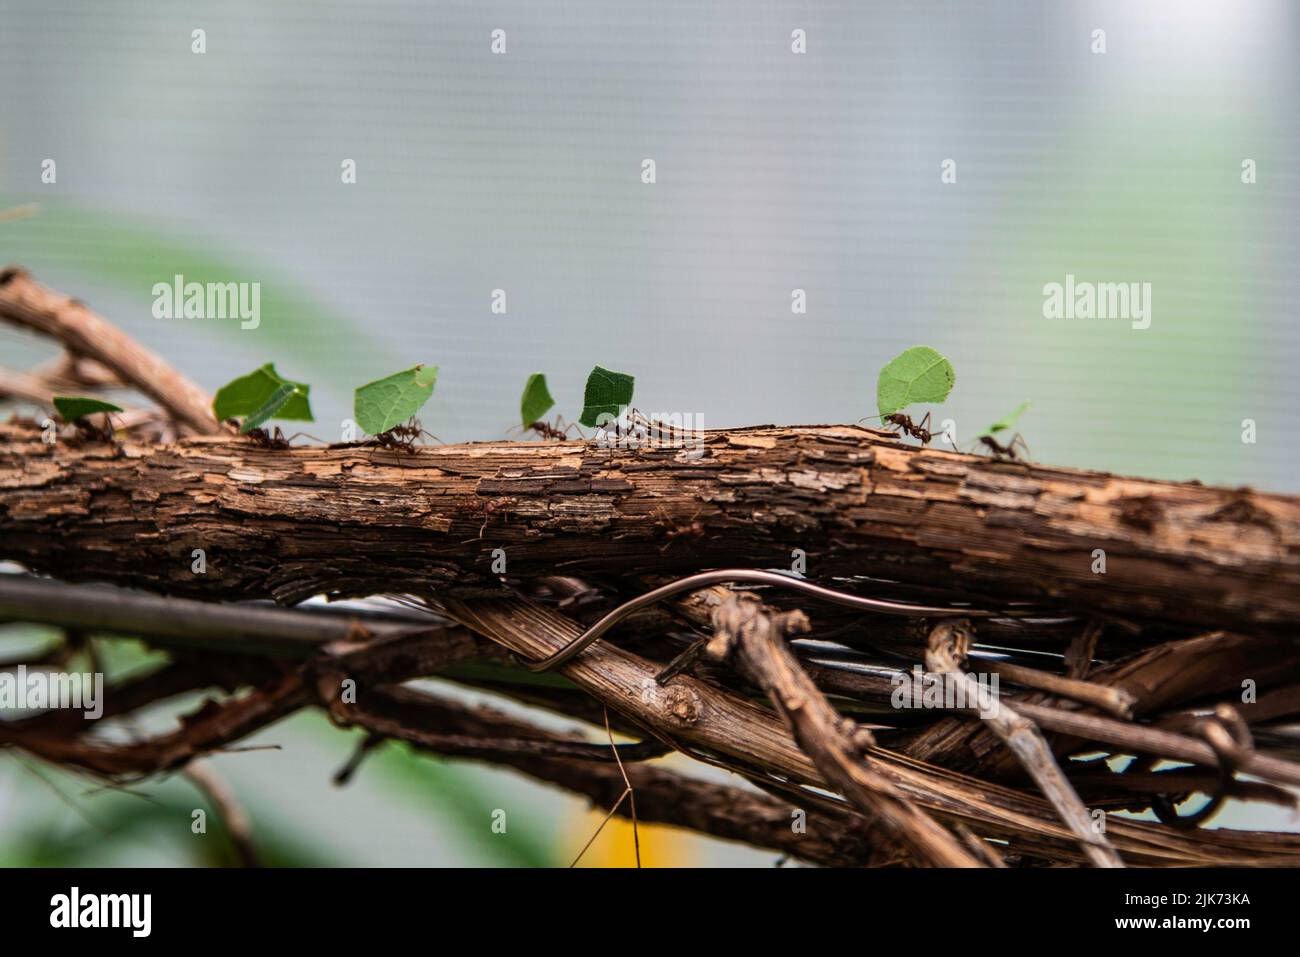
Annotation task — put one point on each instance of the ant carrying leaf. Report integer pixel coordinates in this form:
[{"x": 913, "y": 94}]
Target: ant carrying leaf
[
  {"x": 275, "y": 439},
  {"x": 559, "y": 430},
  {"x": 402, "y": 438},
  {"x": 1011, "y": 451},
  {"x": 76, "y": 410},
  {"x": 903, "y": 424},
  {"x": 916, "y": 375}
]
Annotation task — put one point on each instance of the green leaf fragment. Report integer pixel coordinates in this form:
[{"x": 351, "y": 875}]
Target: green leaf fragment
[
  {"x": 606, "y": 393},
  {"x": 271, "y": 408},
  {"x": 1008, "y": 421},
  {"x": 248, "y": 394},
  {"x": 918, "y": 374},
  {"x": 73, "y": 407},
  {"x": 536, "y": 400},
  {"x": 390, "y": 401}
]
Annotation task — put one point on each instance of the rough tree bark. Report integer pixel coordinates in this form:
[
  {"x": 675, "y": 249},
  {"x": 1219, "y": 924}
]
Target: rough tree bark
[{"x": 355, "y": 520}]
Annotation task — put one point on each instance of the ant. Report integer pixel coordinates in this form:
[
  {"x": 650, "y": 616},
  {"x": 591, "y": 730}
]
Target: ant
[
  {"x": 403, "y": 437},
  {"x": 275, "y": 439},
  {"x": 691, "y": 530},
  {"x": 903, "y": 423},
  {"x": 1011, "y": 452},
  {"x": 269, "y": 440},
  {"x": 559, "y": 431},
  {"x": 90, "y": 432},
  {"x": 490, "y": 508}
]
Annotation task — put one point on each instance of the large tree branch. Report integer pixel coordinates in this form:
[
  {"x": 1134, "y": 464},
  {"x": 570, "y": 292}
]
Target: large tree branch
[{"x": 356, "y": 520}]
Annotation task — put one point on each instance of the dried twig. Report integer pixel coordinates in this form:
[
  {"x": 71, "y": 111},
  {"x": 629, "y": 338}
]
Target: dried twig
[
  {"x": 25, "y": 303},
  {"x": 948, "y": 643},
  {"x": 238, "y": 824},
  {"x": 754, "y": 638}
]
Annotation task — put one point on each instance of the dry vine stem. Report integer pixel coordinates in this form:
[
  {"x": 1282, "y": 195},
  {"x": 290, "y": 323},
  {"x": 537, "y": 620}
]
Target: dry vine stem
[
  {"x": 588, "y": 528},
  {"x": 948, "y": 645},
  {"x": 754, "y": 637}
]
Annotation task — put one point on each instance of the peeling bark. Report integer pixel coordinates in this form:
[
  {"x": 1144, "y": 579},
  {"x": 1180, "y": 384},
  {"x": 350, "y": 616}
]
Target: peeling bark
[{"x": 355, "y": 520}]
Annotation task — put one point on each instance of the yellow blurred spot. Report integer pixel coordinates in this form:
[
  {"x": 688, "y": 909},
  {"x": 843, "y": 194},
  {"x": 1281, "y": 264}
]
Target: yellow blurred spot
[{"x": 660, "y": 846}]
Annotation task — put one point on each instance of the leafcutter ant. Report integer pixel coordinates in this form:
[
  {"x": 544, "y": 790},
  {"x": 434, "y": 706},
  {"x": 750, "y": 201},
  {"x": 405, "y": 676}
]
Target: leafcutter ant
[
  {"x": 275, "y": 439},
  {"x": 403, "y": 437},
  {"x": 902, "y": 423},
  {"x": 917, "y": 430},
  {"x": 559, "y": 431},
  {"x": 490, "y": 508},
  {"x": 1010, "y": 452},
  {"x": 690, "y": 530},
  {"x": 94, "y": 433},
  {"x": 269, "y": 440}
]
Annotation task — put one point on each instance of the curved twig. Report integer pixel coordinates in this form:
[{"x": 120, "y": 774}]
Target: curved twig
[
  {"x": 25, "y": 303},
  {"x": 751, "y": 576},
  {"x": 948, "y": 644}
]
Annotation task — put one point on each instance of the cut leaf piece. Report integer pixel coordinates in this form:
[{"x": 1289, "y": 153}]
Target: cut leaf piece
[
  {"x": 392, "y": 400},
  {"x": 272, "y": 407},
  {"x": 1008, "y": 421},
  {"x": 536, "y": 400},
  {"x": 606, "y": 392},
  {"x": 918, "y": 374},
  {"x": 73, "y": 407},
  {"x": 248, "y": 394}
]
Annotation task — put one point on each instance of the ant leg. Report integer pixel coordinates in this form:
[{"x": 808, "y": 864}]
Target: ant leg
[
  {"x": 923, "y": 428},
  {"x": 566, "y": 427},
  {"x": 301, "y": 435},
  {"x": 1019, "y": 440}
]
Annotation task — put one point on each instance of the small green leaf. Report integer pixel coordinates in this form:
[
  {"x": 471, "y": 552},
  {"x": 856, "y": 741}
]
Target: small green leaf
[
  {"x": 271, "y": 409},
  {"x": 73, "y": 407},
  {"x": 390, "y": 401},
  {"x": 536, "y": 400},
  {"x": 248, "y": 394},
  {"x": 918, "y": 374},
  {"x": 606, "y": 392},
  {"x": 1008, "y": 421}
]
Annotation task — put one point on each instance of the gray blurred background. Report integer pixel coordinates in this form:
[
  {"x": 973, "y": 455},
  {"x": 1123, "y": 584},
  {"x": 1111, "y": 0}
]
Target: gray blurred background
[{"x": 775, "y": 171}]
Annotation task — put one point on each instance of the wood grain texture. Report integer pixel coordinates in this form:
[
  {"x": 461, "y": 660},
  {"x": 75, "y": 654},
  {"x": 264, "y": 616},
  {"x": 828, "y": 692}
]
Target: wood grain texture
[{"x": 354, "y": 520}]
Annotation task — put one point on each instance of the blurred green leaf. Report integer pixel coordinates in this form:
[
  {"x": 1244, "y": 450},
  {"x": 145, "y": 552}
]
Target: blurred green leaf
[
  {"x": 134, "y": 252},
  {"x": 460, "y": 801},
  {"x": 72, "y": 408},
  {"x": 1008, "y": 421}
]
